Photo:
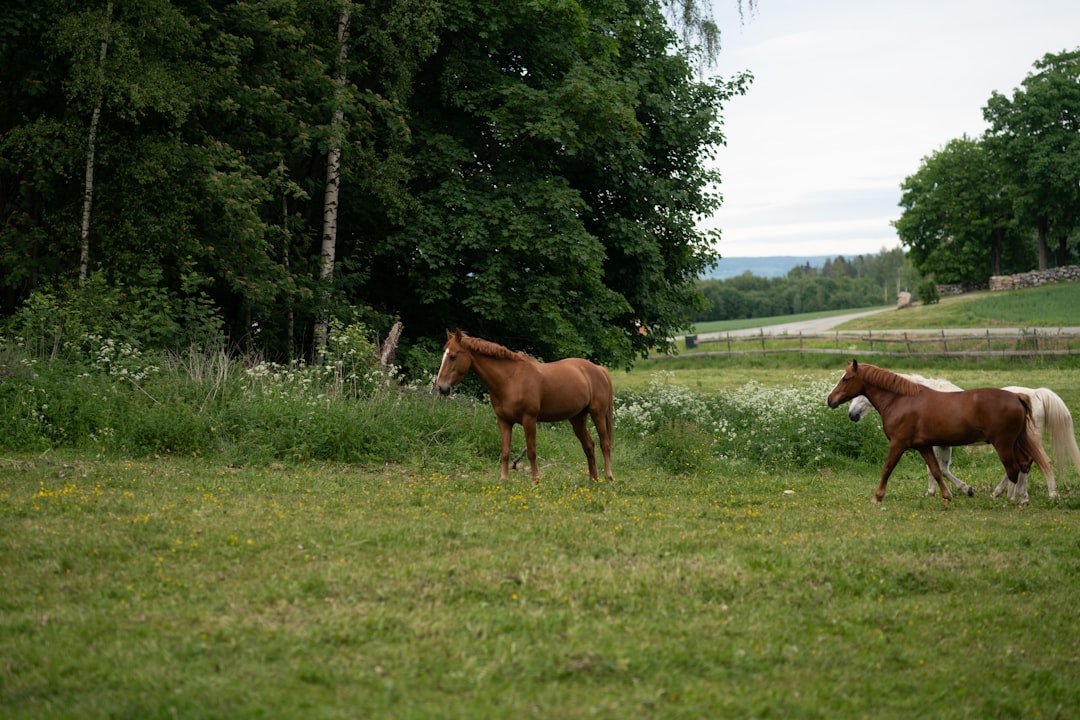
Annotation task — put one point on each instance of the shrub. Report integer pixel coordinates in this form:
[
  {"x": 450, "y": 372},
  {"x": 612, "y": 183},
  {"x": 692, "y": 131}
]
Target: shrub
[{"x": 927, "y": 291}]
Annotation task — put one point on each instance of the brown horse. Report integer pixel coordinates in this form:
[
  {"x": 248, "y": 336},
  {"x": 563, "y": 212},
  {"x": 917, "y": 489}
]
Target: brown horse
[
  {"x": 915, "y": 416},
  {"x": 525, "y": 391}
]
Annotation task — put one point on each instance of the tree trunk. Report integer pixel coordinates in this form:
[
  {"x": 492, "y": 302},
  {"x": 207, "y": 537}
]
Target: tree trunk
[
  {"x": 1044, "y": 229},
  {"x": 389, "y": 348},
  {"x": 333, "y": 184},
  {"x": 91, "y": 142},
  {"x": 290, "y": 317},
  {"x": 996, "y": 239},
  {"x": 1063, "y": 251}
]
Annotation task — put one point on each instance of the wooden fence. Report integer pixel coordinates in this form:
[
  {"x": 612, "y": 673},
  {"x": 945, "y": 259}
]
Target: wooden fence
[{"x": 1011, "y": 343}]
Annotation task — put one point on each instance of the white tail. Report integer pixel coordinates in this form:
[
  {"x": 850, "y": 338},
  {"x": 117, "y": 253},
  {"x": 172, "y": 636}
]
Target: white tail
[{"x": 1059, "y": 423}]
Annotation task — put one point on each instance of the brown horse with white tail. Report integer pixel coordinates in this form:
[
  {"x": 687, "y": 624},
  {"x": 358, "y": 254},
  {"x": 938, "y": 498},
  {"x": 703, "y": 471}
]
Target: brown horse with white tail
[
  {"x": 525, "y": 391},
  {"x": 914, "y": 416}
]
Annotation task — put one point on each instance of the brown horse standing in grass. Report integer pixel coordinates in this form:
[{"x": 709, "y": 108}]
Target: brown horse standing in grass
[
  {"x": 915, "y": 416},
  {"x": 525, "y": 391}
]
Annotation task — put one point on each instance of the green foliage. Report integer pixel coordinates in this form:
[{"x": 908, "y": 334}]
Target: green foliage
[
  {"x": 746, "y": 427},
  {"x": 840, "y": 284},
  {"x": 973, "y": 206},
  {"x": 531, "y": 174},
  {"x": 77, "y": 320},
  {"x": 927, "y": 292},
  {"x": 958, "y": 217},
  {"x": 1035, "y": 136}
]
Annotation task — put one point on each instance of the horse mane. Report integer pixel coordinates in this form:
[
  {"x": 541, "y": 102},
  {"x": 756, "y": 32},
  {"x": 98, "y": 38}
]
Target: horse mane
[
  {"x": 490, "y": 349},
  {"x": 888, "y": 380}
]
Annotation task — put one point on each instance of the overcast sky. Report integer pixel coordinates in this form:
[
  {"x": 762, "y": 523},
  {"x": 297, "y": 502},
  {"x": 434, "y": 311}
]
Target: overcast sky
[{"x": 848, "y": 97}]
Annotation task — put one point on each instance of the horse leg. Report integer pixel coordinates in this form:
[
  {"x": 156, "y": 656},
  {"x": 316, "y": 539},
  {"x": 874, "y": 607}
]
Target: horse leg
[
  {"x": 602, "y": 422},
  {"x": 1051, "y": 487},
  {"x": 1013, "y": 470},
  {"x": 587, "y": 444},
  {"x": 529, "y": 424},
  {"x": 1019, "y": 491},
  {"x": 506, "y": 431},
  {"x": 895, "y": 452},
  {"x": 1002, "y": 487},
  {"x": 935, "y": 469},
  {"x": 944, "y": 456}
]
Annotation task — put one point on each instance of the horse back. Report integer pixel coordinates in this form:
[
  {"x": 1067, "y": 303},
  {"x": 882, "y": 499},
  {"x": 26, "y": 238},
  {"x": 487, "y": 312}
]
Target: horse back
[{"x": 571, "y": 386}]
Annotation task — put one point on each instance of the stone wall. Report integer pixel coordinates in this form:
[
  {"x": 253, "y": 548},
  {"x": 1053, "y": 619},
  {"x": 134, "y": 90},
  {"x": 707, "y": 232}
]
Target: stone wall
[
  {"x": 1067, "y": 273},
  {"x": 959, "y": 288}
]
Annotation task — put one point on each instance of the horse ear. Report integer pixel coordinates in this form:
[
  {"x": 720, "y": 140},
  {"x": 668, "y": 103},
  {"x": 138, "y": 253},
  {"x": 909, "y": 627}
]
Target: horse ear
[
  {"x": 449, "y": 334},
  {"x": 854, "y": 365},
  {"x": 457, "y": 334}
]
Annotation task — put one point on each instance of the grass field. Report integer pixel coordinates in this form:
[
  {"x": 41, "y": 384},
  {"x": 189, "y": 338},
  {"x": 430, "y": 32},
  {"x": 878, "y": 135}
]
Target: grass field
[
  {"x": 231, "y": 568},
  {"x": 1047, "y": 306}
]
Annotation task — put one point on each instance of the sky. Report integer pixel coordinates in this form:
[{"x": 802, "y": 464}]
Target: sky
[{"x": 848, "y": 97}]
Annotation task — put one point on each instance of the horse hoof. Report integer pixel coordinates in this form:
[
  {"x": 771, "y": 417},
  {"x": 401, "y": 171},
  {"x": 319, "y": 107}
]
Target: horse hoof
[{"x": 971, "y": 492}]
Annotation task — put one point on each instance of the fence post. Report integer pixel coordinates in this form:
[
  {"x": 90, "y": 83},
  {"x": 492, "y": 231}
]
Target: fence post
[
  {"x": 944, "y": 342},
  {"x": 762, "y": 331}
]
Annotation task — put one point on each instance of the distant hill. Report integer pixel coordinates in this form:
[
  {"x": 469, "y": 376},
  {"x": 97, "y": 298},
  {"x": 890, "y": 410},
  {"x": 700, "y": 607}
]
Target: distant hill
[{"x": 767, "y": 267}]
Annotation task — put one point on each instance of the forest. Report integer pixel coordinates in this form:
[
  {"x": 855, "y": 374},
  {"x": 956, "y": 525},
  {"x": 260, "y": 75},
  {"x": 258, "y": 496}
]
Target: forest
[
  {"x": 839, "y": 283},
  {"x": 177, "y": 170}
]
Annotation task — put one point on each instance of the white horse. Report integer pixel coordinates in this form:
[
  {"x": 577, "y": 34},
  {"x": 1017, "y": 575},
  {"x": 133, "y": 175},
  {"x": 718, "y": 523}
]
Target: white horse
[{"x": 1048, "y": 410}]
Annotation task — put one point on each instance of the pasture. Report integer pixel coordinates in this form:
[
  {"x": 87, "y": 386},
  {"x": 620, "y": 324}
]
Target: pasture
[{"x": 275, "y": 552}]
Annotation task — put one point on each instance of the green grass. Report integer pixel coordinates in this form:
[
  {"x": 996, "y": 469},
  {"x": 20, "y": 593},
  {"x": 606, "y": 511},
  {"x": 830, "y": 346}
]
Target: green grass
[
  {"x": 715, "y": 326},
  {"x": 1053, "y": 305},
  {"x": 240, "y": 543},
  {"x": 159, "y": 588}
]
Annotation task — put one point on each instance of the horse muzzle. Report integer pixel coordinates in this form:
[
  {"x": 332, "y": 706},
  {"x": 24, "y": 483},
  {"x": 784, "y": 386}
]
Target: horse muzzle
[{"x": 443, "y": 388}]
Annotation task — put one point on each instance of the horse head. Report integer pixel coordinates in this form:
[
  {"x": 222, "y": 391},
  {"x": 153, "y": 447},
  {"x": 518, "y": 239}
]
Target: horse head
[
  {"x": 456, "y": 361},
  {"x": 850, "y": 386},
  {"x": 858, "y": 407}
]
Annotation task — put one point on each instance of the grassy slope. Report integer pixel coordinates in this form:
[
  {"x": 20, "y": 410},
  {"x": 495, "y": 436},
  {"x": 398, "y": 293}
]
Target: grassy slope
[{"x": 1047, "y": 306}]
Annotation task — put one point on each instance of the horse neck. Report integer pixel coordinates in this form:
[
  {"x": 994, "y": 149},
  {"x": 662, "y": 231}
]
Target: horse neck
[
  {"x": 879, "y": 397},
  {"x": 492, "y": 371}
]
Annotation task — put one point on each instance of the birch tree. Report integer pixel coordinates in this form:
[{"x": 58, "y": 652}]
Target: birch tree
[
  {"x": 91, "y": 140},
  {"x": 333, "y": 180}
]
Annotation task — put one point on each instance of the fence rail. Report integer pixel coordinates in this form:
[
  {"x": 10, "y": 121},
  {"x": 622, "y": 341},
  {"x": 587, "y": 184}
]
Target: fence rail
[{"x": 1023, "y": 343}]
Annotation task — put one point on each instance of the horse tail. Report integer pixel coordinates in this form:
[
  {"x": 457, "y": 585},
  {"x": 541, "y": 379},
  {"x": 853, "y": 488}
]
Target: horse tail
[
  {"x": 1059, "y": 424},
  {"x": 1029, "y": 442}
]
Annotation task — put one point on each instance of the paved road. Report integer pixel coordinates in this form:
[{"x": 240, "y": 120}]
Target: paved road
[{"x": 825, "y": 324}]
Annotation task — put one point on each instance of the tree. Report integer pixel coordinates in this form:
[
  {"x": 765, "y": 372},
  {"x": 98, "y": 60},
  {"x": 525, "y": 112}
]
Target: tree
[
  {"x": 957, "y": 219},
  {"x": 559, "y": 168},
  {"x": 333, "y": 179},
  {"x": 1036, "y": 133}
]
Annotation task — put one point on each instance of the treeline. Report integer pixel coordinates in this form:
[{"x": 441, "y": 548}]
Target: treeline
[
  {"x": 530, "y": 172},
  {"x": 838, "y": 284}
]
